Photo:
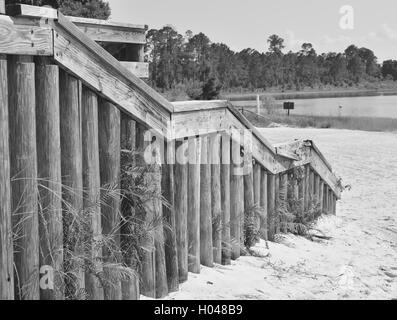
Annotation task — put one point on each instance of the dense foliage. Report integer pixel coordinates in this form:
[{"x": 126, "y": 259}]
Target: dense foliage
[
  {"x": 97, "y": 9},
  {"x": 192, "y": 61}
]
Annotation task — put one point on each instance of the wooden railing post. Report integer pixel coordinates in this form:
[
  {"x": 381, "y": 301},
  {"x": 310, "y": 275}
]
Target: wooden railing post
[
  {"x": 248, "y": 192},
  {"x": 92, "y": 189},
  {"x": 276, "y": 203},
  {"x": 284, "y": 190},
  {"x": 49, "y": 173},
  {"x": 257, "y": 193},
  {"x": 263, "y": 204},
  {"x": 225, "y": 199},
  {"x": 193, "y": 212},
  {"x": 236, "y": 199},
  {"x": 22, "y": 125},
  {"x": 306, "y": 187},
  {"x": 6, "y": 248},
  {"x": 168, "y": 188},
  {"x": 109, "y": 156},
  {"x": 325, "y": 200},
  {"x": 206, "y": 250},
  {"x": 146, "y": 216},
  {"x": 214, "y": 156},
  {"x": 181, "y": 198},
  {"x": 129, "y": 287},
  {"x": 271, "y": 201},
  {"x": 321, "y": 195}
]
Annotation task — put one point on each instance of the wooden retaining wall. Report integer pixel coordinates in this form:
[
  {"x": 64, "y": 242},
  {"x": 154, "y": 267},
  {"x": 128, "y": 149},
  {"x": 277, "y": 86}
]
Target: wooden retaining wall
[{"x": 69, "y": 112}]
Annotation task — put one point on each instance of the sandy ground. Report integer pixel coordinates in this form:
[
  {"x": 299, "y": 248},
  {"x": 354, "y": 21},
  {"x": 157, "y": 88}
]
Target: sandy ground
[{"x": 359, "y": 262}]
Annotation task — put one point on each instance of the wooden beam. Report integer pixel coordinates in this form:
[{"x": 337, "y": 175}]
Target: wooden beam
[
  {"x": 2, "y": 6},
  {"x": 206, "y": 247},
  {"x": 138, "y": 69},
  {"x": 225, "y": 198},
  {"x": 49, "y": 170},
  {"x": 215, "y": 163},
  {"x": 101, "y": 71},
  {"x": 6, "y": 247},
  {"x": 193, "y": 213},
  {"x": 181, "y": 204},
  {"x": 263, "y": 204},
  {"x": 92, "y": 188},
  {"x": 28, "y": 11},
  {"x": 271, "y": 201},
  {"x": 24, "y": 39},
  {"x": 22, "y": 124}
]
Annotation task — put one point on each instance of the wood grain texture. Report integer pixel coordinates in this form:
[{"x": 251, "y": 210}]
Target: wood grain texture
[
  {"x": 206, "y": 246},
  {"x": 193, "y": 212},
  {"x": 236, "y": 199},
  {"x": 216, "y": 209},
  {"x": 168, "y": 192},
  {"x": 24, "y": 39},
  {"x": 92, "y": 188},
  {"x": 72, "y": 172},
  {"x": 225, "y": 198},
  {"x": 2, "y": 6},
  {"x": 277, "y": 203},
  {"x": 271, "y": 200},
  {"x": 109, "y": 160},
  {"x": 49, "y": 170},
  {"x": 181, "y": 208},
  {"x": 29, "y": 11},
  {"x": 6, "y": 248},
  {"x": 263, "y": 205},
  {"x": 147, "y": 272},
  {"x": 249, "y": 197},
  {"x": 22, "y": 124},
  {"x": 257, "y": 191}
]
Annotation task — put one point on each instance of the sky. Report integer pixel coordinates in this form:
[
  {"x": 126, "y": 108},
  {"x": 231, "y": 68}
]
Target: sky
[{"x": 244, "y": 24}]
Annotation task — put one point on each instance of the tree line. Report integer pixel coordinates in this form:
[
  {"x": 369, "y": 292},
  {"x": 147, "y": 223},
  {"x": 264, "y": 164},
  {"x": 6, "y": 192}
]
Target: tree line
[{"x": 203, "y": 68}]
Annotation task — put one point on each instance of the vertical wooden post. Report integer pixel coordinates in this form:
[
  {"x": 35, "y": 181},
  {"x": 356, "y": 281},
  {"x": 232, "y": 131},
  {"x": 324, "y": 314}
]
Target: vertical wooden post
[
  {"x": 307, "y": 187},
  {"x": 168, "y": 188},
  {"x": 49, "y": 171},
  {"x": 147, "y": 272},
  {"x": 263, "y": 204},
  {"x": 271, "y": 201},
  {"x": 181, "y": 175},
  {"x": 236, "y": 199},
  {"x": 311, "y": 186},
  {"x": 72, "y": 177},
  {"x": 335, "y": 203},
  {"x": 159, "y": 242},
  {"x": 92, "y": 190},
  {"x": 257, "y": 193},
  {"x": 317, "y": 187},
  {"x": 193, "y": 213},
  {"x": 22, "y": 129},
  {"x": 109, "y": 157},
  {"x": 129, "y": 287},
  {"x": 225, "y": 199},
  {"x": 206, "y": 250},
  {"x": 326, "y": 199},
  {"x": 248, "y": 195},
  {"x": 277, "y": 203},
  {"x": 283, "y": 198},
  {"x": 6, "y": 249},
  {"x": 321, "y": 195},
  {"x": 214, "y": 156},
  {"x": 2, "y": 6}
]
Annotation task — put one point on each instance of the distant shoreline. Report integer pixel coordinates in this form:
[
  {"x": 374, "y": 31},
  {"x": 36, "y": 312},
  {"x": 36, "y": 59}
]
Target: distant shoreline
[{"x": 311, "y": 94}]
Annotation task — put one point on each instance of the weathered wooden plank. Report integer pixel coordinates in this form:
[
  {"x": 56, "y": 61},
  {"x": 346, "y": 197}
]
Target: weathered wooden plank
[
  {"x": 316, "y": 187},
  {"x": 181, "y": 178},
  {"x": 168, "y": 188},
  {"x": 138, "y": 69},
  {"x": 193, "y": 212},
  {"x": 271, "y": 201},
  {"x": 215, "y": 163},
  {"x": 257, "y": 192},
  {"x": 283, "y": 196},
  {"x": 321, "y": 195},
  {"x": 92, "y": 190},
  {"x": 206, "y": 246},
  {"x": 2, "y": 6},
  {"x": 249, "y": 201},
  {"x": 29, "y": 11},
  {"x": 72, "y": 178},
  {"x": 147, "y": 272},
  {"x": 82, "y": 56},
  {"x": 129, "y": 287},
  {"x": 276, "y": 203},
  {"x": 6, "y": 249},
  {"x": 49, "y": 171},
  {"x": 23, "y": 39},
  {"x": 109, "y": 160},
  {"x": 236, "y": 199},
  {"x": 311, "y": 186},
  {"x": 307, "y": 187},
  {"x": 22, "y": 125},
  {"x": 263, "y": 204},
  {"x": 225, "y": 198}
]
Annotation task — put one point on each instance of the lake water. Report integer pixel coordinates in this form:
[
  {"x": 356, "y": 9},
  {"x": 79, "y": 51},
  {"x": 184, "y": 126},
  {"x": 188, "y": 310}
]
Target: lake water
[{"x": 377, "y": 106}]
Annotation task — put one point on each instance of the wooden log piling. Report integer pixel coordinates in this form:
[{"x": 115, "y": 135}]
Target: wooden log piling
[
  {"x": 264, "y": 205},
  {"x": 271, "y": 201},
  {"x": 225, "y": 199}
]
